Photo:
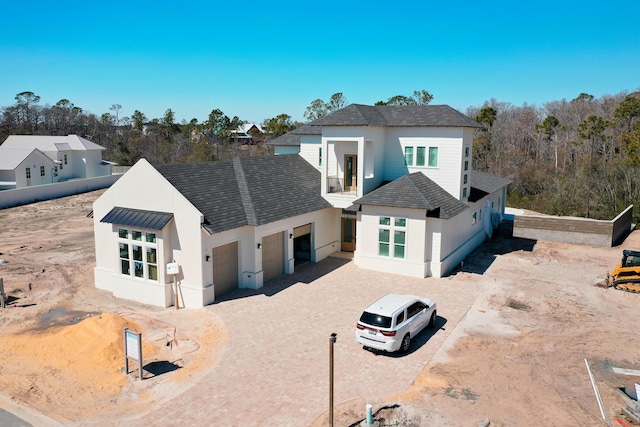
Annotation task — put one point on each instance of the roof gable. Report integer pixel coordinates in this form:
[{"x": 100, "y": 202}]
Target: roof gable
[
  {"x": 10, "y": 158},
  {"x": 415, "y": 191}
]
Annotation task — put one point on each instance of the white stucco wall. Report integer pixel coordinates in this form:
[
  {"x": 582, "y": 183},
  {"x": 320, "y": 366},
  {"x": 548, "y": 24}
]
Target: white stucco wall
[
  {"x": 366, "y": 255},
  {"x": 372, "y": 159},
  {"x": 142, "y": 187},
  {"x": 434, "y": 246},
  {"x": 325, "y": 239}
]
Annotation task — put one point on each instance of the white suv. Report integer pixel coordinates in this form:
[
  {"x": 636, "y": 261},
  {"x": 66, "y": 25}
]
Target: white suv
[{"x": 389, "y": 323}]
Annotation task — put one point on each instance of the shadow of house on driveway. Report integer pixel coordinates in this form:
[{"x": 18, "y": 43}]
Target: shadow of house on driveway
[
  {"x": 501, "y": 243},
  {"x": 305, "y": 273},
  {"x": 416, "y": 342}
]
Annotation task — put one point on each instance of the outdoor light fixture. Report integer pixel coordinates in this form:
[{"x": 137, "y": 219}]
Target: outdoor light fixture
[
  {"x": 290, "y": 235},
  {"x": 259, "y": 245},
  {"x": 207, "y": 258}
]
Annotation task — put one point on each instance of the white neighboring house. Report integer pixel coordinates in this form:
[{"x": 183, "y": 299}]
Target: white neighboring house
[
  {"x": 60, "y": 158},
  {"x": 392, "y": 184},
  {"x": 23, "y": 167},
  {"x": 245, "y": 132}
]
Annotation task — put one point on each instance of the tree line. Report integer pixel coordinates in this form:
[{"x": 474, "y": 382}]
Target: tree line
[{"x": 579, "y": 157}]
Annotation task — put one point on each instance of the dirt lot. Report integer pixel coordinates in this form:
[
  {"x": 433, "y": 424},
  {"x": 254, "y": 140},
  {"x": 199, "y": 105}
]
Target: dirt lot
[{"x": 517, "y": 358}]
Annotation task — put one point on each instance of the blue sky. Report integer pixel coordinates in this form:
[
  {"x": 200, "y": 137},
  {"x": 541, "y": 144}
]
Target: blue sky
[{"x": 256, "y": 60}]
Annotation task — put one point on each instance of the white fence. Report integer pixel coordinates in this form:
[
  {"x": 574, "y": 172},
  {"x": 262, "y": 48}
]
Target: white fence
[{"x": 36, "y": 193}]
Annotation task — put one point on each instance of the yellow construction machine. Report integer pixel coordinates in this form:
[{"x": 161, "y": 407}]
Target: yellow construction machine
[{"x": 626, "y": 275}]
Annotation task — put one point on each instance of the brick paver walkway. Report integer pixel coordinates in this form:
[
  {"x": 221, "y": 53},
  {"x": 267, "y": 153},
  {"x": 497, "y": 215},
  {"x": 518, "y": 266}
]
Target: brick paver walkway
[{"x": 274, "y": 371}]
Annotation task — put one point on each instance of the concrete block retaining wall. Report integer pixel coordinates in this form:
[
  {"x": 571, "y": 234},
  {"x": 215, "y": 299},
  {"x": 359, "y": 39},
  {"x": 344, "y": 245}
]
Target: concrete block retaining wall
[{"x": 581, "y": 231}]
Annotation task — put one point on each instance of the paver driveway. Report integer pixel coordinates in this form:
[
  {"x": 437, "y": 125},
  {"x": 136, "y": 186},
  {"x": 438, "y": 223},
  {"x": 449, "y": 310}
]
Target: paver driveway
[{"x": 274, "y": 371}]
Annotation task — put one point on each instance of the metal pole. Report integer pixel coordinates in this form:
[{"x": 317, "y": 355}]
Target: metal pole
[
  {"x": 332, "y": 339},
  {"x": 126, "y": 357},
  {"x": 175, "y": 285},
  {"x": 605, "y": 417}
]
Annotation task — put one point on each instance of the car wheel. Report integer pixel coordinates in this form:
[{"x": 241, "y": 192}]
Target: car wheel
[
  {"x": 406, "y": 343},
  {"x": 432, "y": 321}
]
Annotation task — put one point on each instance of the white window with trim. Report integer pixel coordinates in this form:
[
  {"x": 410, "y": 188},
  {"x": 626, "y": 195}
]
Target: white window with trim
[
  {"x": 392, "y": 237},
  {"x": 424, "y": 156},
  {"x": 408, "y": 156},
  {"x": 138, "y": 254}
]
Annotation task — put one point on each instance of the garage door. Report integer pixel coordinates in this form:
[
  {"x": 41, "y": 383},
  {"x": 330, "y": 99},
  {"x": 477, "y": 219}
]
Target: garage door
[
  {"x": 225, "y": 268},
  {"x": 272, "y": 256}
]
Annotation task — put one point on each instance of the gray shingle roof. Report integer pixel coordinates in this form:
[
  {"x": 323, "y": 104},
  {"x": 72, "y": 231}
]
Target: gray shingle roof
[
  {"x": 397, "y": 116},
  {"x": 486, "y": 182},
  {"x": 248, "y": 190},
  {"x": 415, "y": 191},
  {"x": 293, "y": 138}
]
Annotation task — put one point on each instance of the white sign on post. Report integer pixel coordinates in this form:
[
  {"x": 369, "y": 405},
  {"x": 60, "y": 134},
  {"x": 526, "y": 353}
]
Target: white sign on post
[
  {"x": 132, "y": 345},
  {"x": 173, "y": 268},
  {"x": 133, "y": 350}
]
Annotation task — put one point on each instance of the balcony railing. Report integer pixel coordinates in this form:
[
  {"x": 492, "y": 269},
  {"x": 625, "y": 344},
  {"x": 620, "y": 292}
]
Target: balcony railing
[{"x": 336, "y": 185}]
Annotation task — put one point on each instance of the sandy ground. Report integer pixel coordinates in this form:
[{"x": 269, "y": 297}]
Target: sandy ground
[{"x": 516, "y": 359}]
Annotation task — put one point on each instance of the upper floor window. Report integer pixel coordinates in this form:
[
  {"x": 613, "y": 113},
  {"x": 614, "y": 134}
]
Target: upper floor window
[
  {"x": 421, "y": 156},
  {"x": 466, "y": 151},
  {"x": 474, "y": 218},
  {"x": 424, "y": 156},
  {"x": 320, "y": 156},
  {"x": 465, "y": 178},
  {"x": 41, "y": 170},
  {"x": 65, "y": 159},
  {"x": 433, "y": 156},
  {"x": 28, "y": 173},
  {"x": 466, "y": 165},
  {"x": 408, "y": 156},
  {"x": 464, "y": 192}
]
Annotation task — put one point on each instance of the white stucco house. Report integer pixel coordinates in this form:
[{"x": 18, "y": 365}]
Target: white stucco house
[
  {"x": 391, "y": 184},
  {"x": 28, "y": 160}
]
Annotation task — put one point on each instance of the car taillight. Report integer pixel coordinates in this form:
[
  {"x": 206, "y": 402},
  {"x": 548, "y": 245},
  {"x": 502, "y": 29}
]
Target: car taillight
[
  {"x": 359, "y": 326},
  {"x": 388, "y": 333}
]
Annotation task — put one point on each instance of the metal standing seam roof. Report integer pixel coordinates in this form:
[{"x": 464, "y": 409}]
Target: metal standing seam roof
[
  {"x": 138, "y": 218},
  {"x": 50, "y": 143},
  {"x": 10, "y": 158}
]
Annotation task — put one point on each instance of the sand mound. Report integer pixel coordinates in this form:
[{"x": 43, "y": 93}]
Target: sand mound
[{"x": 90, "y": 355}]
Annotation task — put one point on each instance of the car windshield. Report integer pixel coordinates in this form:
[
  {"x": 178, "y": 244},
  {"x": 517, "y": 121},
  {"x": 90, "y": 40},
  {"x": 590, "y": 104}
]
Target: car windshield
[{"x": 375, "y": 320}]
